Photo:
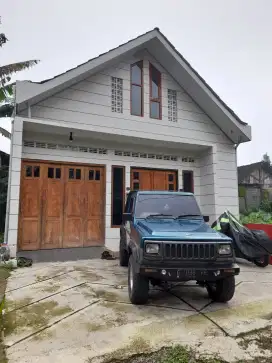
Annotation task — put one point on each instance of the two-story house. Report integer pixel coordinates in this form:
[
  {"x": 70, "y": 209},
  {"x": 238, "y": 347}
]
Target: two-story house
[{"x": 136, "y": 117}]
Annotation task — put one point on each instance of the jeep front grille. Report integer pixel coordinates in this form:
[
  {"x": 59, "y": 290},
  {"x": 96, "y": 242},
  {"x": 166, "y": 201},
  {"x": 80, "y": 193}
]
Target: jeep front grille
[{"x": 190, "y": 251}]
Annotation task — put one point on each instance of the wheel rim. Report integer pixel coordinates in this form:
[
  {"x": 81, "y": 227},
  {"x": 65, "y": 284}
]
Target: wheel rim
[{"x": 130, "y": 278}]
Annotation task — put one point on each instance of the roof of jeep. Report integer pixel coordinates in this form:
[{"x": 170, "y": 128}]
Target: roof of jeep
[{"x": 159, "y": 192}]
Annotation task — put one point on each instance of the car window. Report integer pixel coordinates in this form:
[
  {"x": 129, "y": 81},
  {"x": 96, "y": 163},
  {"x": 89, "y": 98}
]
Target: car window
[
  {"x": 127, "y": 204},
  {"x": 174, "y": 205},
  {"x": 131, "y": 205}
]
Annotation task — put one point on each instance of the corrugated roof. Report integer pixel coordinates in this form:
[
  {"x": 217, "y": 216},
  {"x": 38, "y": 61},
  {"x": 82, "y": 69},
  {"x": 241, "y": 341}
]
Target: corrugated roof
[
  {"x": 245, "y": 170},
  {"x": 179, "y": 54}
]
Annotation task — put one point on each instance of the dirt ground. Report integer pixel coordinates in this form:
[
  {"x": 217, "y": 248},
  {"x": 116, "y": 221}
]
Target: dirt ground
[{"x": 80, "y": 312}]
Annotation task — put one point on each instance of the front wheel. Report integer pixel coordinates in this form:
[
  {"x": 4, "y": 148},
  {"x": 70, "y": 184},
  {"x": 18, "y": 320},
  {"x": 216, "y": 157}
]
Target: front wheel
[
  {"x": 262, "y": 262},
  {"x": 138, "y": 285},
  {"x": 221, "y": 290}
]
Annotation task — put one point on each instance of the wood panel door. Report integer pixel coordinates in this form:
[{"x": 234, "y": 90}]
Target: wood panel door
[
  {"x": 61, "y": 206},
  {"x": 95, "y": 206},
  {"x": 74, "y": 206},
  {"x": 52, "y": 206},
  {"x": 30, "y": 206},
  {"x": 151, "y": 179}
]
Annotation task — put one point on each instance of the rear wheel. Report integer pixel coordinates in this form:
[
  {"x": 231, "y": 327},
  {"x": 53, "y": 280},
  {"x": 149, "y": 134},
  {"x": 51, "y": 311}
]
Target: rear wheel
[
  {"x": 123, "y": 254},
  {"x": 221, "y": 290},
  {"x": 138, "y": 285},
  {"x": 262, "y": 262}
]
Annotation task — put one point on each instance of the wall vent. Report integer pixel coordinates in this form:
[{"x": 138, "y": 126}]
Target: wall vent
[
  {"x": 84, "y": 149},
  {"x": 145, "y": 155}
]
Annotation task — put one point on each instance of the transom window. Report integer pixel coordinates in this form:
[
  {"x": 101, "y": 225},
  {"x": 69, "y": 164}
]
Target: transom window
[
  {"x": 137, "y": 89},
  {"x": 32, "y": 171},
  {"x": 74, "y": 173},
  {"x": 155, "y": 92},
  {"x": 54, "y": 173}
]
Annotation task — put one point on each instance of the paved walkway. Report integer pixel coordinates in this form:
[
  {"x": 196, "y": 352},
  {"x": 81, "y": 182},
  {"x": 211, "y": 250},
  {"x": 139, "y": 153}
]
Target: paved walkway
[{"x": 80, "y": 312}]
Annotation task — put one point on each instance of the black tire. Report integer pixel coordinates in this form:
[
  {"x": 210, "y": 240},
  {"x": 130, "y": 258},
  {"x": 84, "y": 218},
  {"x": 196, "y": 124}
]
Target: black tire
[
  {"x": 138, "y": 285},
  {"x": 222, "y": 290},
  {"x": 262, "y": 262},
  {"x": 123, "y": 254}
]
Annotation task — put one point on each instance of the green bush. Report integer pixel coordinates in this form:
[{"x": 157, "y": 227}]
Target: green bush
[{"x": 260, "y": 217}]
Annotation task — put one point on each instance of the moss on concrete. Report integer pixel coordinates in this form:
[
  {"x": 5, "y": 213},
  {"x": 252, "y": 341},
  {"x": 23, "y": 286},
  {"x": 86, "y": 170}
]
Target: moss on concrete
[
  {"x": 88, "y": 275},
  {"x": 32, "y": 317},
  {"x": 107, "y": 295}
]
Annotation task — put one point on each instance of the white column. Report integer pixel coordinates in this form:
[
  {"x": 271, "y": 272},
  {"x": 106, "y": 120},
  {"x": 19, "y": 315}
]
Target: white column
[{"x": 14, "y": 181}]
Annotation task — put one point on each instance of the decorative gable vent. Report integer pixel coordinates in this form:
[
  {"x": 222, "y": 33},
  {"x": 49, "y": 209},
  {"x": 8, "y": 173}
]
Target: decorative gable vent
[
  {"x": 172, "y": 106},
  {"x": 145, "y": 155},
  {"x": 84, "y": 149},
  {"x": 116, "y": 94}
]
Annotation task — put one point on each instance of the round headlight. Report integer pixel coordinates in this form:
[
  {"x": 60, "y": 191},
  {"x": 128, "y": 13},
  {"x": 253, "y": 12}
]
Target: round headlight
[
  {"x": 152, "y": 248},
  {"x": 224, "y": 249}
]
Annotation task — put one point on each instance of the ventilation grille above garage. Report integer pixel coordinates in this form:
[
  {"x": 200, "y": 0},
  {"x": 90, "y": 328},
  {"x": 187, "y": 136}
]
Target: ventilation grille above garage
[
  {"x": 47, "y": 145},
  {"x": 145, "y": 155}
]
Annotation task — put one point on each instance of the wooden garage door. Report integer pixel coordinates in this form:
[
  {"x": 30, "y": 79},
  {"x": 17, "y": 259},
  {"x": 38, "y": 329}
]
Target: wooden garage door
[
  {"x": 61, "y": 206},
  {"x": 150, "y": 179}
]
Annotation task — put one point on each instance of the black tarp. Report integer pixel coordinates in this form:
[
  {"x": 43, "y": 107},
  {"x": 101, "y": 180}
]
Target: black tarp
[{"x": 249, "y": 244}]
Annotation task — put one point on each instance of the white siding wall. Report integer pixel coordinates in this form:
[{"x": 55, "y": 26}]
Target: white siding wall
[
  {"x": 87, "y": 105},
  {"x": 112, "y": 234}
]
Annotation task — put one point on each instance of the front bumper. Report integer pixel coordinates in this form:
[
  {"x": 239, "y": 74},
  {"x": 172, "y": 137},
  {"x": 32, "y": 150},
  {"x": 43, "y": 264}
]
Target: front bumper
[{"x": 187, "y": 273}]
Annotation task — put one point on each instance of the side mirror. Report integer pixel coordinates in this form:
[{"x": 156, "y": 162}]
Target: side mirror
[
  {"x": 127, "y": 217},
  {"x": 206, "y": 218}
]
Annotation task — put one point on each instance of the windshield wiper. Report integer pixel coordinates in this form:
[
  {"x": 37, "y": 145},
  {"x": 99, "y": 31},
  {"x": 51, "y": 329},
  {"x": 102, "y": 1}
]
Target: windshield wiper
[
  {"x": 160, "y": 215},
  {"x": 188, "y": 215}
]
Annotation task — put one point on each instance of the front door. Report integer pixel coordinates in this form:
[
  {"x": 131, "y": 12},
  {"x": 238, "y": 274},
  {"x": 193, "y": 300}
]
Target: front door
[{"x": 151, "y": 179}]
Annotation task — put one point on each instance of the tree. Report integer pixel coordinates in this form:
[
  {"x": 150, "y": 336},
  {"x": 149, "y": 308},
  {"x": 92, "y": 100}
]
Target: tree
[
  {"x": 266, "y": 159},
  {"x": 6, "y": 87}
]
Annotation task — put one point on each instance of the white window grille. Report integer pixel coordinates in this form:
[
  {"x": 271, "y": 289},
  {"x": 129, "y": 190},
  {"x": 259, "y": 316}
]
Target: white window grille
[
  {"x": 116, "y": 94},
  {"x": 172, "y": 106}
]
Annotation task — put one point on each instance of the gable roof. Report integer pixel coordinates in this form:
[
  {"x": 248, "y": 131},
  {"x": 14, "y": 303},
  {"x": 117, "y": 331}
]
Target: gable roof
[
  {"x": 166, "y": 54},
  {"x": 245, "y": 170}
]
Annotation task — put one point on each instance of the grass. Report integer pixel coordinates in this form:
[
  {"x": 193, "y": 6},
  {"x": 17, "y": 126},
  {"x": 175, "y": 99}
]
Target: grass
[
  {"x": 138, "y": 348},
  {"x": 4, "y": 274}
]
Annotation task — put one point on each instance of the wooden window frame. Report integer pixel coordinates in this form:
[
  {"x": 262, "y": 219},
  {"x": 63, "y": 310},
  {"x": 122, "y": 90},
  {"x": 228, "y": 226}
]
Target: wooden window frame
[
  {"x": 159, "y": 99},
  {"x": 138, "y": 85},
  {"x": 124, "y": 191},
  {"x": 192, "y": 184}
]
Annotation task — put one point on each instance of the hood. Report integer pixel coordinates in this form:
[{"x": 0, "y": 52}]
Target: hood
[{"x": 185, "y": 229}]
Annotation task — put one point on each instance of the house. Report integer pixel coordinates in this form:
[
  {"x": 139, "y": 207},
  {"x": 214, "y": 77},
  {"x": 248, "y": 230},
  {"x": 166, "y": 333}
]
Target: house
[
  {"x": 4, "y": 167},
  {"x": 136, "y": 117},
  {"x": 253, "y": 179}
]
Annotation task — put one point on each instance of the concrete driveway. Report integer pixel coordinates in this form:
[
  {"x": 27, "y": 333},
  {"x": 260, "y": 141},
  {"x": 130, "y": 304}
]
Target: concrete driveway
[{"x": 80, "y": 312}]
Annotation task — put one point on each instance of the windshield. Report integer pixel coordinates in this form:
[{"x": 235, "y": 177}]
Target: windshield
[{"x": 165, "y": 204}]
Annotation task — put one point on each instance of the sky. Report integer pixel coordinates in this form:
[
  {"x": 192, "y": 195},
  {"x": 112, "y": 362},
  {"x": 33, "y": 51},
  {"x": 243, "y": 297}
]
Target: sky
[{"x": 229, "y": 42}]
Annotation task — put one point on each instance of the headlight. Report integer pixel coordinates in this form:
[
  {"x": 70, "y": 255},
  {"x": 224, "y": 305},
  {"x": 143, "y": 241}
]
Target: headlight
[
  {"x": 152, "y": 248},
  {"x": 224, "y": 250}
]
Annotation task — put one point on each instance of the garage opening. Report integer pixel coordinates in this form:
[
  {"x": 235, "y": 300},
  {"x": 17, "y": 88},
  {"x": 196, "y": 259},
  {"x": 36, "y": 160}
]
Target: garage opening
[{"x": 61, "y": 206}]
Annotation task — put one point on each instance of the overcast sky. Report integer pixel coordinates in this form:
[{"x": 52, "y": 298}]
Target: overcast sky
[{"x": 229, "y": 42}]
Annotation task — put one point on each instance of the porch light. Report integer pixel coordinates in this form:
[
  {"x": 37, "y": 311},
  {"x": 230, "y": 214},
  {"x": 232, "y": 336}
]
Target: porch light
[{"x": 71, "y": 137}]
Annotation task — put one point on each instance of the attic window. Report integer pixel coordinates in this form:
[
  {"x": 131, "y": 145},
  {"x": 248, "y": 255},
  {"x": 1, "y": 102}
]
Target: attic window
[
  {"x": 155, "y": 92},
  {"x": 136, "y": 79},
  {"x": 172, "y": 105},
  {"x": 116, "y": 94}
]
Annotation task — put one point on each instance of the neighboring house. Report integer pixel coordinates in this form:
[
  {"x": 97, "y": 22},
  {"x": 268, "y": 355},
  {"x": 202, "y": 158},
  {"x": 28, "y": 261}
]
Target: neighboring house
[
  {"x": 253, "y": 179},
  {"x": 136, "y": 117},
  {"x": 4, "y": 166}
]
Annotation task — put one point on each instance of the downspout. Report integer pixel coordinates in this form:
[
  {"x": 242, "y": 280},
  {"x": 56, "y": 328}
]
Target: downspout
[
  {"x": 236, "y": 147},
  {"x": 10, "y": 168}
]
